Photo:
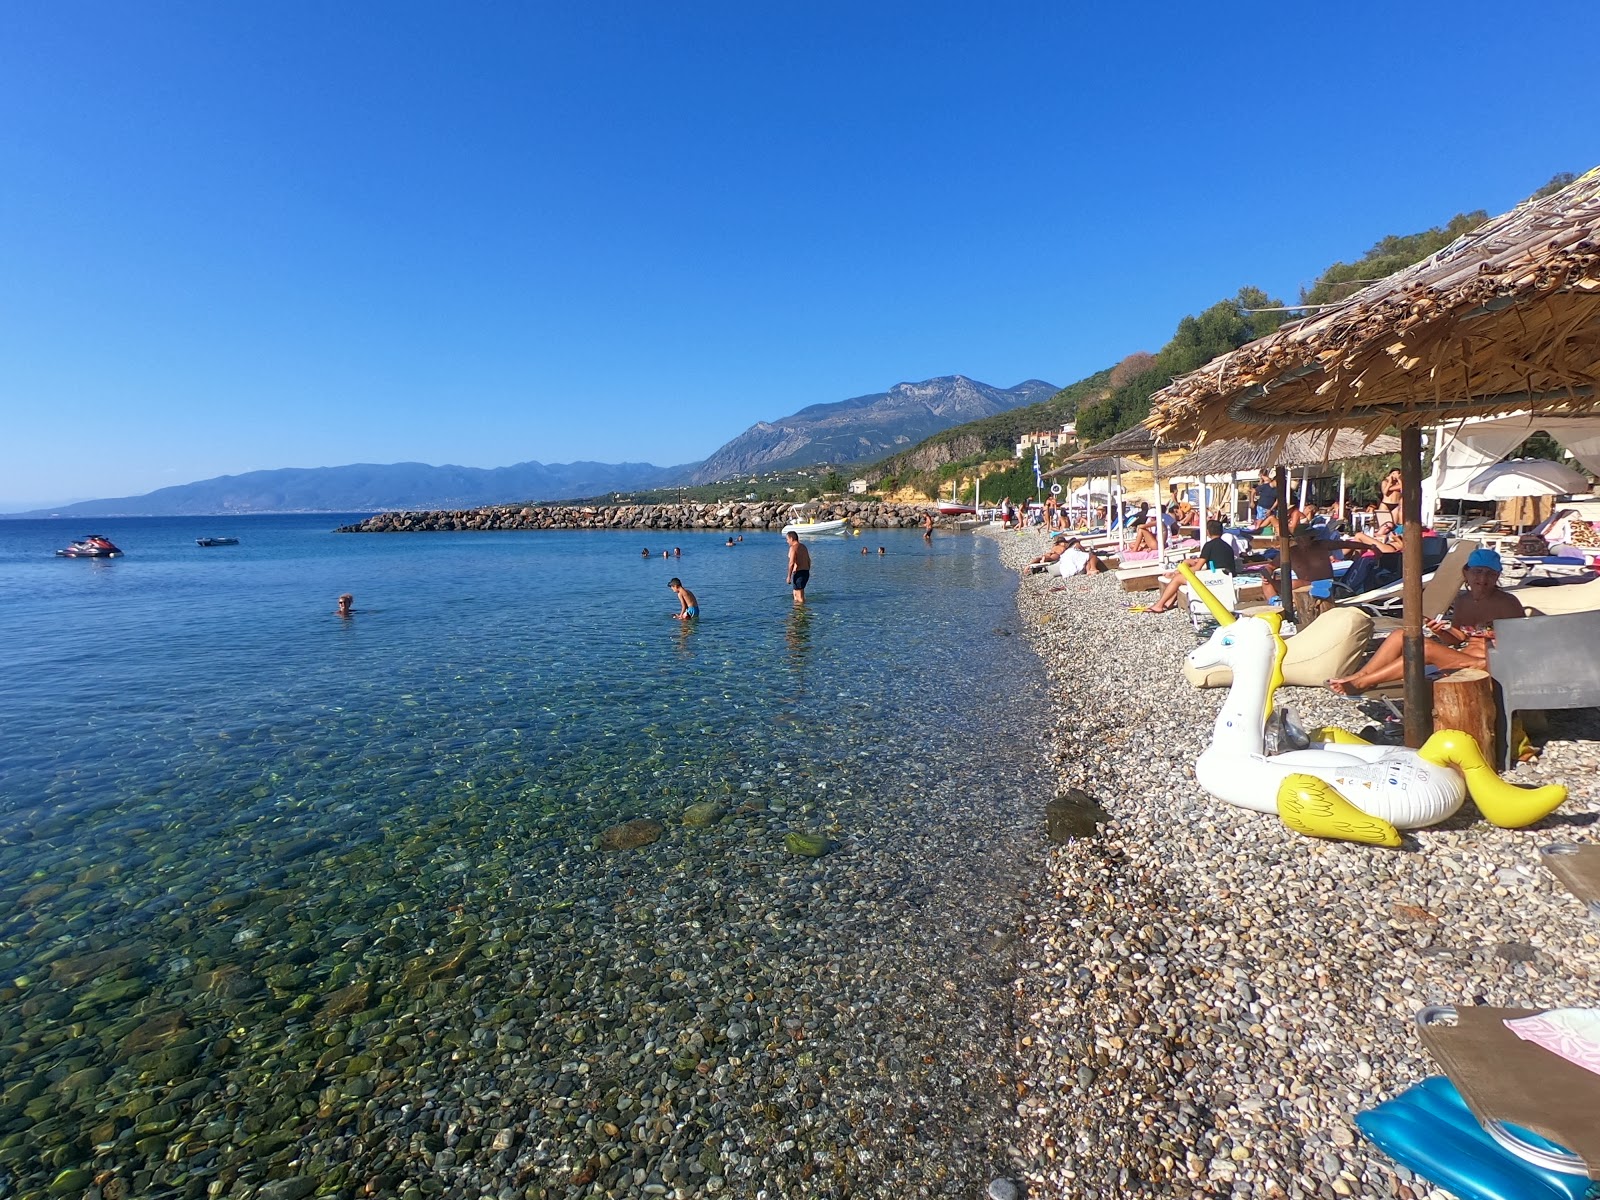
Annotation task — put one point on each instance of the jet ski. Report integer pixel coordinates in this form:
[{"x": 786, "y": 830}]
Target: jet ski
[{"x": 93, "y": 546}]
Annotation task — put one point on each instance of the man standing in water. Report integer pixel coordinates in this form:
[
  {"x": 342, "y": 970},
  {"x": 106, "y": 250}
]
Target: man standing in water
[
  {"x": 799, "y": 567},
  {"x": 927, "y": 527}
]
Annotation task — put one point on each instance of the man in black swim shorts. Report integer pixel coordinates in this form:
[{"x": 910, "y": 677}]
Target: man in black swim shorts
[{"x": 799, "y": 566}]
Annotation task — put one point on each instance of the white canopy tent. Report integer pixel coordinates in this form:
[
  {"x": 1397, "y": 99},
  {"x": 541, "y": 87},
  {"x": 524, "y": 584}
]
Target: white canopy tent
[{"x": 1465, "y": 448}]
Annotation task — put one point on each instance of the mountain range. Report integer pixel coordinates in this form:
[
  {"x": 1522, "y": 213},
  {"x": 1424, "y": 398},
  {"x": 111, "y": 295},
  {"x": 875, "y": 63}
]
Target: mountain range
[{"x": 859, "y": 430}]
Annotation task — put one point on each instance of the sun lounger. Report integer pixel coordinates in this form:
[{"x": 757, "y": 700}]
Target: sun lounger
[
  {"x": 1559, "y": 599},
  {"x": 1438, "y": 591},
  {"x": 1543, "y": 663},
  {"x": 1332, "y": 645}
]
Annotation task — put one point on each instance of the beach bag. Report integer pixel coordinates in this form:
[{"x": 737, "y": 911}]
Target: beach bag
[{"x": 1532, "y": 545}]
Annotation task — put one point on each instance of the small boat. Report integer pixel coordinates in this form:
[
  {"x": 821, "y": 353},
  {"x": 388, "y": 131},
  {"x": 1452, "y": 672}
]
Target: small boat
[
  {"x": 216, "y": 541},
  {"x": 952, "y": 508},
  {"x": 93, "y": 546},
  {"x": 812, "y": 528}
]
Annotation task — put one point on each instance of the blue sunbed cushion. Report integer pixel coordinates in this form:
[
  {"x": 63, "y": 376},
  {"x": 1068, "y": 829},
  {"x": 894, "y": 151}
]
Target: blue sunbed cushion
[{"x": 1430, "y": 1130}]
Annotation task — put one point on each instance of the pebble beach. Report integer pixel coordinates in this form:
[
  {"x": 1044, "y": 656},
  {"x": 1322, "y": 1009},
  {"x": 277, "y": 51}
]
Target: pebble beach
[{"x": 1206, "y": 999}]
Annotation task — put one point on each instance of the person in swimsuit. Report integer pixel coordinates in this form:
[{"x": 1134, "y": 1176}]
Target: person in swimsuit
[
  {"x": 1393, "y": 490},
  {"x": 799, "y": 567},
  {"x": 345, "y": 605},
  {"x": 691, "y": 606},
  {"x": 1462, "y": 641}
]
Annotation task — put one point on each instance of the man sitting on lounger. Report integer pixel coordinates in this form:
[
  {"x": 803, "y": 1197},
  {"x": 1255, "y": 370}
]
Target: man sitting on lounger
[
  {"x": 1310, "y": 559},
  {"x": 1461, "y": 641},
  {"x": 1215, "y": 555}
]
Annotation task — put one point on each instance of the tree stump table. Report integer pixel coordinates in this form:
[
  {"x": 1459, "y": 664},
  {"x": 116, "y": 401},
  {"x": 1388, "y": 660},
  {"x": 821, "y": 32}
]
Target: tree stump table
[{"x": 1464, "y": 700}]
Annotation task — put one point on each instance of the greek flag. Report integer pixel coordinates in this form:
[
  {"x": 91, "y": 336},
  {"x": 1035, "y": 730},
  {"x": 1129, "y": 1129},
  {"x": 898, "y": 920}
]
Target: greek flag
[{"x": 1038, "y": 479}]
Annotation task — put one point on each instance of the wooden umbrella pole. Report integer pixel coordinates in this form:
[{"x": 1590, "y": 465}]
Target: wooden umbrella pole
[
  {"x": 1285, "y": 571},
  {"x": 1419, "y": 695},
  {"x": 1161, "y": 526}
]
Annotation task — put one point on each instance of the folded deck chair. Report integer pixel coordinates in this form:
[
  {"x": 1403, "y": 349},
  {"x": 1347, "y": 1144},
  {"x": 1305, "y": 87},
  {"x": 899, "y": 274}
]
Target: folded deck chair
[
  {"x": 1577, "y": 866},
  {"x": 1438, "y": 591},
  {"x": 1544, "y": 663},
  {"x": 1506, "y": 1080},
  {"x": 1220, "y": 584}
]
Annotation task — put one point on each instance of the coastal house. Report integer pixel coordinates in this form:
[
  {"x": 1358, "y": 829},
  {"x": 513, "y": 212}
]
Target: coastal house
[
  {"x": 858, "y": 487},
  {"x": 1048, "y": 441}
]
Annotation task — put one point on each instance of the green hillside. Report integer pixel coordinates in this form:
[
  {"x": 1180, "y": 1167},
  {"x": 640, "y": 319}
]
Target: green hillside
[{"x": 1117, "y": 398}]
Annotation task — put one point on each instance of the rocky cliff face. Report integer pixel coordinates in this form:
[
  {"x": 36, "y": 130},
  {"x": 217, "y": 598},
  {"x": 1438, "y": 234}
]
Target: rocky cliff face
[{"x": 864, "y": 428}]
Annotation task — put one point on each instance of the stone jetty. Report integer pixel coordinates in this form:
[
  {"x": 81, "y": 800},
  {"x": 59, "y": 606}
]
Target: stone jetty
[{"x": 765, "y": 514}]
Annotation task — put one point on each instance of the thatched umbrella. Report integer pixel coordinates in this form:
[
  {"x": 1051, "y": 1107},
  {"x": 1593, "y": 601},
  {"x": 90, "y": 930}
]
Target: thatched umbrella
[
  {"x": 1142, "y": 440},
  {"x": 1504, "y": 318},
  {"x": 1104, "y": 464}
]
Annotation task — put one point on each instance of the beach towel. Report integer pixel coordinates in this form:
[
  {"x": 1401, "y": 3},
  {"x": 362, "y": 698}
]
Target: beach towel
[
  {"x": 1573, "y": 1033},
  {"x": 1072, "y": 562}
]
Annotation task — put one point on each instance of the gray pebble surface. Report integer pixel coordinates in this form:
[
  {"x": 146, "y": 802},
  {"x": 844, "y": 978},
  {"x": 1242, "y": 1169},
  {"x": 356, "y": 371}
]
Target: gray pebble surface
[{"x": 1205, "y": 999}]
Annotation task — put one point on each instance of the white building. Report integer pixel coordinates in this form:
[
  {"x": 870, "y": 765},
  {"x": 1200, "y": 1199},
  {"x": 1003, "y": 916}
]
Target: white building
[
  {"x": 1048, "y": 441},
  {"x": 858, "y": 487}
]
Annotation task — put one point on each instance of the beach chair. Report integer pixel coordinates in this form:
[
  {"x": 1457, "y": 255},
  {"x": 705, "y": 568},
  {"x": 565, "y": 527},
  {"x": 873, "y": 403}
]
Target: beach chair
[
  {"x": 1558, "y": 599},
  {"x": 1221, "y": 585},
  {"x": 1438, "y": 591},
  {"x": 1544, "y": 663}
]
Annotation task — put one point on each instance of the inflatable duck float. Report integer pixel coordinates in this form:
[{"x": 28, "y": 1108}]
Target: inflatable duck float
[{"x": 1334, "y": 784}]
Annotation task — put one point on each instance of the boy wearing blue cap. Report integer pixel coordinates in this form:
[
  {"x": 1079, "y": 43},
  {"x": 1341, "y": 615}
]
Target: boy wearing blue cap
[{"x": 1462, "y": 641}]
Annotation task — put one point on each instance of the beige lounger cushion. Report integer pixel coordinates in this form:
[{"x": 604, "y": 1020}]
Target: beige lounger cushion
[
  {"x": 1334, "y": 644},
  {"x": 1561, "y": 599}
]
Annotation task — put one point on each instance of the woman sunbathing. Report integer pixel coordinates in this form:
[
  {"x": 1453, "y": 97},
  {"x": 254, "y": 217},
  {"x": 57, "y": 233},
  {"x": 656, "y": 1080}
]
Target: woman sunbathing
[
  {"x": 1462, "y": 641},
  {"x": 1144, "y": 537}
]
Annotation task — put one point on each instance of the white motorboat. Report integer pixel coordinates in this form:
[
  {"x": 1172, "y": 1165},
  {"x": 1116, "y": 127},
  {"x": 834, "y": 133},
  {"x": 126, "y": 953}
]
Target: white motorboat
[{"x": 813, "y": 528}]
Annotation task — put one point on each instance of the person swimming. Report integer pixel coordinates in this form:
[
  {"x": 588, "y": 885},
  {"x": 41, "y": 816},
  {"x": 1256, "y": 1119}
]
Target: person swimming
[{"x": 346, "y": 603}]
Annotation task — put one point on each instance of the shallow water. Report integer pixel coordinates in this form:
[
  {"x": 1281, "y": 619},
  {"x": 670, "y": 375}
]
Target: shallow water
[{"x": 234, "y": 825}]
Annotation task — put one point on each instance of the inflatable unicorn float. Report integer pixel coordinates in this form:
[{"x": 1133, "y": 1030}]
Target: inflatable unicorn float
[{"x": 1333, "y": 784}]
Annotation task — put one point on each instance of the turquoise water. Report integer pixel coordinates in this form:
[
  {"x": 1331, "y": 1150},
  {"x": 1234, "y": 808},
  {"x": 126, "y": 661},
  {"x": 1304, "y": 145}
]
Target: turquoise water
[{"x": 221, "y": 804}]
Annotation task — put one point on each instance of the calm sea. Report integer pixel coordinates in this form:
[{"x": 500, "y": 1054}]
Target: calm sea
[{"x": 220, "y": 803}]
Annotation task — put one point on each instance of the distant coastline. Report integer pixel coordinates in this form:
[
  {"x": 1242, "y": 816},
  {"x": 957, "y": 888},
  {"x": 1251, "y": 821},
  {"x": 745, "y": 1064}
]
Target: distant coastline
[{"x": 767, "y": 514}]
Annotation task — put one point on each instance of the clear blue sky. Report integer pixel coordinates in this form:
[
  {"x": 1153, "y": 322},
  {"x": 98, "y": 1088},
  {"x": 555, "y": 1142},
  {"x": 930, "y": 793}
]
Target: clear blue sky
[{"x": 237, "y": 236}]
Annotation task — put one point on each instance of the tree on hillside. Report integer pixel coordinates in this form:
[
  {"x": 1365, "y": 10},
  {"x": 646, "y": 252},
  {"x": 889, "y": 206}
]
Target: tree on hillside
[
  {"x": 1226, "y": 325},
  {"x": 1135, "y": 364},
  {"x": 1390, "y": 255},
  {"x": 1557, "y": 182}
]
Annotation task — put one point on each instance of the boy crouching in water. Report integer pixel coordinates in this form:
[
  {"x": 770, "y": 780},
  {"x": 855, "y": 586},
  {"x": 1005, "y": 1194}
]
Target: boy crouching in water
[{"x": 691, "y": 607}]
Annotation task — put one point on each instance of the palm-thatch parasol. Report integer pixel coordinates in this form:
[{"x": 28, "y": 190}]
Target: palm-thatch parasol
[
  {"x": 1504, "y": 318},
  {"x": 1300, "y": 449}
]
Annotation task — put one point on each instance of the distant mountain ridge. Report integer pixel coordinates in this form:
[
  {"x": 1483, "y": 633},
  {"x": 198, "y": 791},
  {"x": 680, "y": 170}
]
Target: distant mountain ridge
[
  {"x": 865, "y": 428},
  {"x": 373, "y": 487},
  {"x": 861, "y": 429}
]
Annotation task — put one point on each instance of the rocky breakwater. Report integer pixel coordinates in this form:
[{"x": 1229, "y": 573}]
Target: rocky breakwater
[{"x": 767, "y": 514}]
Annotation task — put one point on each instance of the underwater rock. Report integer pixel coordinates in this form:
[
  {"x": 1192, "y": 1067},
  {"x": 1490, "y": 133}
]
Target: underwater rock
[
  {"x": 347, "y": 1000},
  {"x": 1072, "y": 815},
  {"x": 810, "y": 845},
  {"x": 707, "y": 812},
  {"x": 630, "y": 835},
  {"x": 80, "y": 968}
]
